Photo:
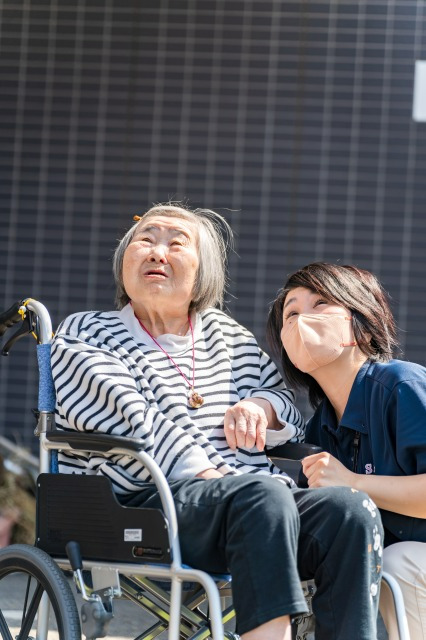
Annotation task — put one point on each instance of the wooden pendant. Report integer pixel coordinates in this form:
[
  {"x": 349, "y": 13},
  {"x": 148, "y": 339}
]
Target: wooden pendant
[{"x": 195, "y": 400}]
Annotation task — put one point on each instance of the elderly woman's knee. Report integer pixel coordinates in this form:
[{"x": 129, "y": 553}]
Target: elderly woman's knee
[
  {"x": 267, "y": 496},
  {"x": 354, "y": 509}
]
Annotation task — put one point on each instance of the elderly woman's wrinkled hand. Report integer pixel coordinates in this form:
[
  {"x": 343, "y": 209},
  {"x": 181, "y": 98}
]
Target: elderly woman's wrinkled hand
[{"x": 246, "y": 423}]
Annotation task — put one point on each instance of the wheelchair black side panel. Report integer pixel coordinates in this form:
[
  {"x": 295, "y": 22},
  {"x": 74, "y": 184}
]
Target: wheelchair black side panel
[{"x": 85, "y": 509}]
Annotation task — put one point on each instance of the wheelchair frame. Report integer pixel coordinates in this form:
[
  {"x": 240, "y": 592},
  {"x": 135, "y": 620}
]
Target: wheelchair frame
[{"x": 180, "y": 619}]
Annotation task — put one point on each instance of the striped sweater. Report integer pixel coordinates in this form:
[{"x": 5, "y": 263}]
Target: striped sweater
[{"x": 109, "y": 377}]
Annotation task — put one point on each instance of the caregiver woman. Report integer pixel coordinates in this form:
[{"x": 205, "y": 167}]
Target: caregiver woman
[{"x": 338, "y": 334}]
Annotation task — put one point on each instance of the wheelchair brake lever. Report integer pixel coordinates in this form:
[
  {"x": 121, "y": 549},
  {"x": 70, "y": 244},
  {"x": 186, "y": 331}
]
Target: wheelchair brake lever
[
  {"x": 95, "y": 617},
  {"x": 72, "y": 549},
  {"x": 28, "y": 326}
]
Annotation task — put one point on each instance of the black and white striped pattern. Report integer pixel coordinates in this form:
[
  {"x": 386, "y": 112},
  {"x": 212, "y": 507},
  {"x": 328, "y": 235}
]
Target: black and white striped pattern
[{"x": 107, "y": 380}]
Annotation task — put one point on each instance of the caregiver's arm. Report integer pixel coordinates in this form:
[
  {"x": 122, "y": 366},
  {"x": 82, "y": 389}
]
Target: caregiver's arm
[{"x": 401, "y": 494}]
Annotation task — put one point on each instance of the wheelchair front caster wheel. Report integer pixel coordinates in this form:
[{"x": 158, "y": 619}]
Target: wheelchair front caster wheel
[{"x": 36, "y": 600}]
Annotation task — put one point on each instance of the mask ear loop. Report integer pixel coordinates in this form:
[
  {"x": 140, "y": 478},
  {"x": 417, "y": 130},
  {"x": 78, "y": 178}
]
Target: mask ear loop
[{"x": 349, "y": 344}]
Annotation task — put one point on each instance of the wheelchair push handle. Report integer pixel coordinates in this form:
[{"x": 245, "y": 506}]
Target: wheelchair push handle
[
  {"x": 15, "y": 314},
  {"x": 10, "y": 317},
  {"x": 34, "y": 319}
]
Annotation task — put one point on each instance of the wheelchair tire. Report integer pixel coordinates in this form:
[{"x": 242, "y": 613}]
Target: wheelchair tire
[{"x": 26, "y": 573}]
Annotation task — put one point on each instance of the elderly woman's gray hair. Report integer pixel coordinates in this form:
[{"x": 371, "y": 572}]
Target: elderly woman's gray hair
[{"x": 215, "y": 237}]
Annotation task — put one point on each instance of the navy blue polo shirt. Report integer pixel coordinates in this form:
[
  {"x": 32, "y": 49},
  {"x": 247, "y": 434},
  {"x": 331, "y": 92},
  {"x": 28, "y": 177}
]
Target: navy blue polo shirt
[{"x": 382, "y": 431}]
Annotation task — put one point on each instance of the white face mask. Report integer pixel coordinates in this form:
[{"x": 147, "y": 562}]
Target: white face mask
[{"x": 313, "y": 340}]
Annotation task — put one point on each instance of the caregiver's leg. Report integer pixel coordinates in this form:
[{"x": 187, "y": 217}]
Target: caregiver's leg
[
  {"x": 248, "y": 525},
  {"x": 340, "y": 545},
  {"x": 406, "y": 562}
]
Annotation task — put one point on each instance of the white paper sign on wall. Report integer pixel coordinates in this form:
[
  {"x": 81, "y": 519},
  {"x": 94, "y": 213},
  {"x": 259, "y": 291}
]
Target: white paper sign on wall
[{"x": 419, "y": 96}]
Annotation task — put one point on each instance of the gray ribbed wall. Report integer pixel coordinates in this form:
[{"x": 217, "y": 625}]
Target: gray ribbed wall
[{"x": 291, "y": 118}]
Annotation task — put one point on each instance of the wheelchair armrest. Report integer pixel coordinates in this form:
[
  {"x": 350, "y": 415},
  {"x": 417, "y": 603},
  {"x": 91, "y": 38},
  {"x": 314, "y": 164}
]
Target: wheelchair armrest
[
  {"x": 95, "y": 441},
  {"x": 293, "y": 450},
  {"x": 288, "y": 457}
]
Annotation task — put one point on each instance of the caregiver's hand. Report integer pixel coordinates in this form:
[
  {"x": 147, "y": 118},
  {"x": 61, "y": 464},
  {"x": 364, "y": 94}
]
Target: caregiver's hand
[{"x": 323, "y": 470}]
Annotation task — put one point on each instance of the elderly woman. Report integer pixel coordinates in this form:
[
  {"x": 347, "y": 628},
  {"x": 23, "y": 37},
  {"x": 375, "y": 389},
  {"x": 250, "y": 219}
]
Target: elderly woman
[
  {"x": 335, "y": 331},
  {"x": 170, "y": 368}
]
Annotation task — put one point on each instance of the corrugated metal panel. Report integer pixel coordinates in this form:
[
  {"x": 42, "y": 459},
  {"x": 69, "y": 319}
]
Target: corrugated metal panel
[{"x": 292, "y": 118}]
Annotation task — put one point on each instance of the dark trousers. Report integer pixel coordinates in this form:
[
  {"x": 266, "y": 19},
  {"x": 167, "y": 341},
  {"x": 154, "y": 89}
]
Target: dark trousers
[{"x": 269, "y": 537}]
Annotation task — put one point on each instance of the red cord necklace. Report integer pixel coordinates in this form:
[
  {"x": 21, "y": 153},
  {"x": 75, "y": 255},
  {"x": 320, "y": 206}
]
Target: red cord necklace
[{"x": 195, "y": 400}]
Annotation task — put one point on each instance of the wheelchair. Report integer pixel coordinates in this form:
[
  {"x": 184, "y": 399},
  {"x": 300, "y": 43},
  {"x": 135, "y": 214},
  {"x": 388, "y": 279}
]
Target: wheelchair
[{"x": 112, "y": 552}]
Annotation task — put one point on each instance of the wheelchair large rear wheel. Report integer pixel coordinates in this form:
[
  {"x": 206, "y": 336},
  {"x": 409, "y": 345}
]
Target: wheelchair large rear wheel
[{"x": 29, "y": 579}]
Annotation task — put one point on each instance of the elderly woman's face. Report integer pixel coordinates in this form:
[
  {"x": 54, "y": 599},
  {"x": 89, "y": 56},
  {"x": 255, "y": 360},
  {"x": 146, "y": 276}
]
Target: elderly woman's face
[{"x": 161, "y": 262}]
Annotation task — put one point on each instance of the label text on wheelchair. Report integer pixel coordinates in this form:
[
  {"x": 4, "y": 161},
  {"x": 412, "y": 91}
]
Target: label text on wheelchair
[{"x": 132, "y": 535}]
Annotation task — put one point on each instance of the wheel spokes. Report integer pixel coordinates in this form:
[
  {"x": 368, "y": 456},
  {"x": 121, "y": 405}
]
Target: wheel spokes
[
  {"x": 4, "y": 628},
  {"x": 29, "y": 615}
]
